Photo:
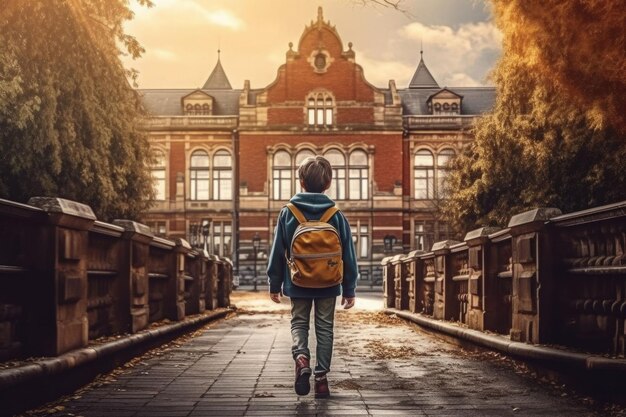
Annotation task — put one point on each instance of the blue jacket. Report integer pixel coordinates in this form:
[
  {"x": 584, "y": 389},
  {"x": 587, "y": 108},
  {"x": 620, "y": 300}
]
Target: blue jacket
[{"x": 312, "y": 205}]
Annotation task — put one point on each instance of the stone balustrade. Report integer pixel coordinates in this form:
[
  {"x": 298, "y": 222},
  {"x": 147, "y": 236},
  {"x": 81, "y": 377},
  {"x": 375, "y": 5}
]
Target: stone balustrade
[
  {"x": 547, "y": 278},
  {"x": 67, "y": 278}
]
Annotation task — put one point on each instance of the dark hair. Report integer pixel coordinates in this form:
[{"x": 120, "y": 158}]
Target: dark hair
[{"x": 315, "y": 173}]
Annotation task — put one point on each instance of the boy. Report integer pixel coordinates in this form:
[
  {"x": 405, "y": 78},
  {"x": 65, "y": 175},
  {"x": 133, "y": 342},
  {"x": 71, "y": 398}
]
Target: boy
[{"x": 315, "y": 177}]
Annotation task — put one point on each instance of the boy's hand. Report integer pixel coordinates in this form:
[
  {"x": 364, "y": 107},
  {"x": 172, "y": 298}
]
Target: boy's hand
[
  {"x": 276, "y": 297},
  {"x": 347, "y": 303}
]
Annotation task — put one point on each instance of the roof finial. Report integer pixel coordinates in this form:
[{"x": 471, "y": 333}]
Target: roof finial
[
  {"x": 421, "y": 48},
  {"x": 320, "y": 14}
]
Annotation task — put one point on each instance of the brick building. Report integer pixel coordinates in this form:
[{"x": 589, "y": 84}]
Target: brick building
[{"x": 227, "y": 158}]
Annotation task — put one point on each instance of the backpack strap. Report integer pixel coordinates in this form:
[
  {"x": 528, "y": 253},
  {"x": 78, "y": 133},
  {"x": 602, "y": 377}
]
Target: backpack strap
[
  {"x": 296, "y": 213},
  {"x": 328, "y": 214}
]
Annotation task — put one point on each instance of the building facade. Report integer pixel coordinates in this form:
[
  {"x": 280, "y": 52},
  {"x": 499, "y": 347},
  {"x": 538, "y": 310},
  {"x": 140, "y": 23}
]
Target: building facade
[{"x": 227, "y": 158}]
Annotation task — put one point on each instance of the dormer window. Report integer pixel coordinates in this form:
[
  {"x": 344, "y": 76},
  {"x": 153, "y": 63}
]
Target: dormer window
[
  {"x": 445, "y": 103},
  {"x": 320, "y": 108},
  {"x": 197, "y": 103}
]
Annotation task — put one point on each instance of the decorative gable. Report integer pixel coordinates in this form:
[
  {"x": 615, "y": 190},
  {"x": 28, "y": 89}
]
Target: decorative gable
[
  {"x": 197, "y": 103},
  {"x": 445, "y": 102}
]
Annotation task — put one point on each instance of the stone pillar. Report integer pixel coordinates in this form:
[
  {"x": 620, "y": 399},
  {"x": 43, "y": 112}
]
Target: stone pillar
[
  {"x": 483, "y": 275},
  {"x": 222, "y": 284},
  {"x": 134, "y": 273},
  {"x": 178, "y": 289},
  {"x": 201, "y": 273},
  {"x": 444, "y": 291},
  {"x": 533, "y": 294},
  {"x": 211, "y": 290},
  {"x": 415, "y": 281},
  {"x": 59, "y": 319},
  {"x": 400, "y": 290},
  {"x": 389, "y": 294}
]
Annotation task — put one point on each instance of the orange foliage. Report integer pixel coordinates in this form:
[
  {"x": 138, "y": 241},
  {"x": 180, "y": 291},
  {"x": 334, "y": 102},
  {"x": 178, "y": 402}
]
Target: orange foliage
[{"x": 577, "y": 45}]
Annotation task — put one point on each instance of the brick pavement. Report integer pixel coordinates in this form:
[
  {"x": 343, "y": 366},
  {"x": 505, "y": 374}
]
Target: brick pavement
[{"x": 242, "y": 366}]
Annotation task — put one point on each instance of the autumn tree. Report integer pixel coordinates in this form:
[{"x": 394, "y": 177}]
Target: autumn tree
[
  {"x": 536, "y": 149},
  {"x": 577, "y": 45},
  {"x": 68, "y": 115}
]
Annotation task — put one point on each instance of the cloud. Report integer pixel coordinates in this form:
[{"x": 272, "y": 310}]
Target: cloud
[
  {"x": 460, "y": 79},
  {"x": 451, "y": 53},
  {"x": 189, "y": 9},
  {"x": 162, "y": 54},
  {"x": 380, "y": 71},
  {"x": 224, "y": 18}
]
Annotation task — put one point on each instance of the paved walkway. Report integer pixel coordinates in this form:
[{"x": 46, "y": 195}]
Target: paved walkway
[{"x": 382, "y": 366}]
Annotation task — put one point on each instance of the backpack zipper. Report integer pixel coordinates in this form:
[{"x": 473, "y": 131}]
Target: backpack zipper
[
  {"x": 317, "y": 255},
  {"x": 308, "y": 229}
]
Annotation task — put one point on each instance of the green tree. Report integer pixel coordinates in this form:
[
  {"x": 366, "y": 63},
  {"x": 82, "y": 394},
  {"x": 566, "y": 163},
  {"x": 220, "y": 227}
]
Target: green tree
[
  {"x": 68, "y": 115},
  {"x": 536, "y": 148}
]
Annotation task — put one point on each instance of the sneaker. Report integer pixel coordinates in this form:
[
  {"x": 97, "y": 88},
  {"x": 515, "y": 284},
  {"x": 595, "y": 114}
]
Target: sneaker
[
  {"x": 303, "y": 373},
  {"x": 321, "y": 386}
]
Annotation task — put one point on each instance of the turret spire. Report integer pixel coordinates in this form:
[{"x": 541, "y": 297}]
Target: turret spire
[
  {"x": 422, "y": 77},
  {"x": 218, "y": 79}
]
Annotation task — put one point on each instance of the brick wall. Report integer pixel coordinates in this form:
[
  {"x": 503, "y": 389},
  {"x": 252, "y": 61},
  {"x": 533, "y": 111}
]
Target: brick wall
[
  {"x": 177, "y": 164},
  {"x": 253, "y": 155},
  {"x": 343, "y": 78}
]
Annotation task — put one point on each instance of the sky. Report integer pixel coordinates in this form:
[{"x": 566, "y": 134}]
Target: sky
[{"x": 181, "y": 37}]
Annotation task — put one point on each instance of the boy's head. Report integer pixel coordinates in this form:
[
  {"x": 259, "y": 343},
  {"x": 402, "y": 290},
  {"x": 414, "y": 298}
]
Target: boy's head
[{"x": 315, "y": 174}]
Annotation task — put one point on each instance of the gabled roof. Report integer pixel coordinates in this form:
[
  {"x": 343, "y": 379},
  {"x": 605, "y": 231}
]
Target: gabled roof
[
  {"x": 443, "y": 90},
  {"x": 476, "y": 100},
  {"x": 167, "y": 102},
  {"x": 218, "y": 79},
  {"x": 197, "y": 92},
  {"x": 422, "y": 77}
]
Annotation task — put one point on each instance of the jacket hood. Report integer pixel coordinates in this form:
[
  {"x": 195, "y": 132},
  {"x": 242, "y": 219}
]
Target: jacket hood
[{"x": 313, "y": 203}]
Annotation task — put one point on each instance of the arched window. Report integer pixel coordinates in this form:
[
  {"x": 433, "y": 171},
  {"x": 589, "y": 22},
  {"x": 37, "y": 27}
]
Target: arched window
[
  {"x": 359, "y": 178},
  {"x": 197, "y": 109},
  {"x": 206, "y": 109},
  {"x": 222, "y": 176},
  {"x": 443, "y": 168},
  {"x": 281, "y": 175},
  {"x": 328, "y": 108},
  {"x": 320, "y": 110},
  {"x": 189, "y": 109},
  {"x": 158, "y": 174},
  {"x": 337, "y": 189},
  {"x": 199, "y": 175},
  {"x": 300, "y": 156},
  {"x": 424, "y": 174},
  {"x": 455, "y": 108}
]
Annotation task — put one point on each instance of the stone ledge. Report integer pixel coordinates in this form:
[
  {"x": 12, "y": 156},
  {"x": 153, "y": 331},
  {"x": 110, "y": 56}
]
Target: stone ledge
[
  {"x": 578, "y": 361},
  {"x": 10, "y": 378}
]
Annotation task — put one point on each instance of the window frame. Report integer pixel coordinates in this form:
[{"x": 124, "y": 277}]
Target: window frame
[
  {"x": 338, "y": 188},
  {"x": 277, "y": 191},
  {"x": 160, "y": 180},
  {"x": 194, "y": 180},
  {"x": 320, "y": 109},
  {"x": 362, "y": 177},
  {"x": 428, "y": 171},
  {"x": 217, "y": 172},
  {"x": 443, "y": 169}
]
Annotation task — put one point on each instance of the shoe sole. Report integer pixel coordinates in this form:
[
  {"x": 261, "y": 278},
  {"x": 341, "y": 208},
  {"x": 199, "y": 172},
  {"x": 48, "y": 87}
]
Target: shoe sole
[
  {"x": 303, "y": 384},
  {"x": 322, "y": 395}
]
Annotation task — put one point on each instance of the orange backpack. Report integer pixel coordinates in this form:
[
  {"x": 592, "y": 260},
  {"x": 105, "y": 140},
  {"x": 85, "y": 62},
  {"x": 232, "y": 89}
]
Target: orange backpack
[{"x": 315, "y": 255}]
